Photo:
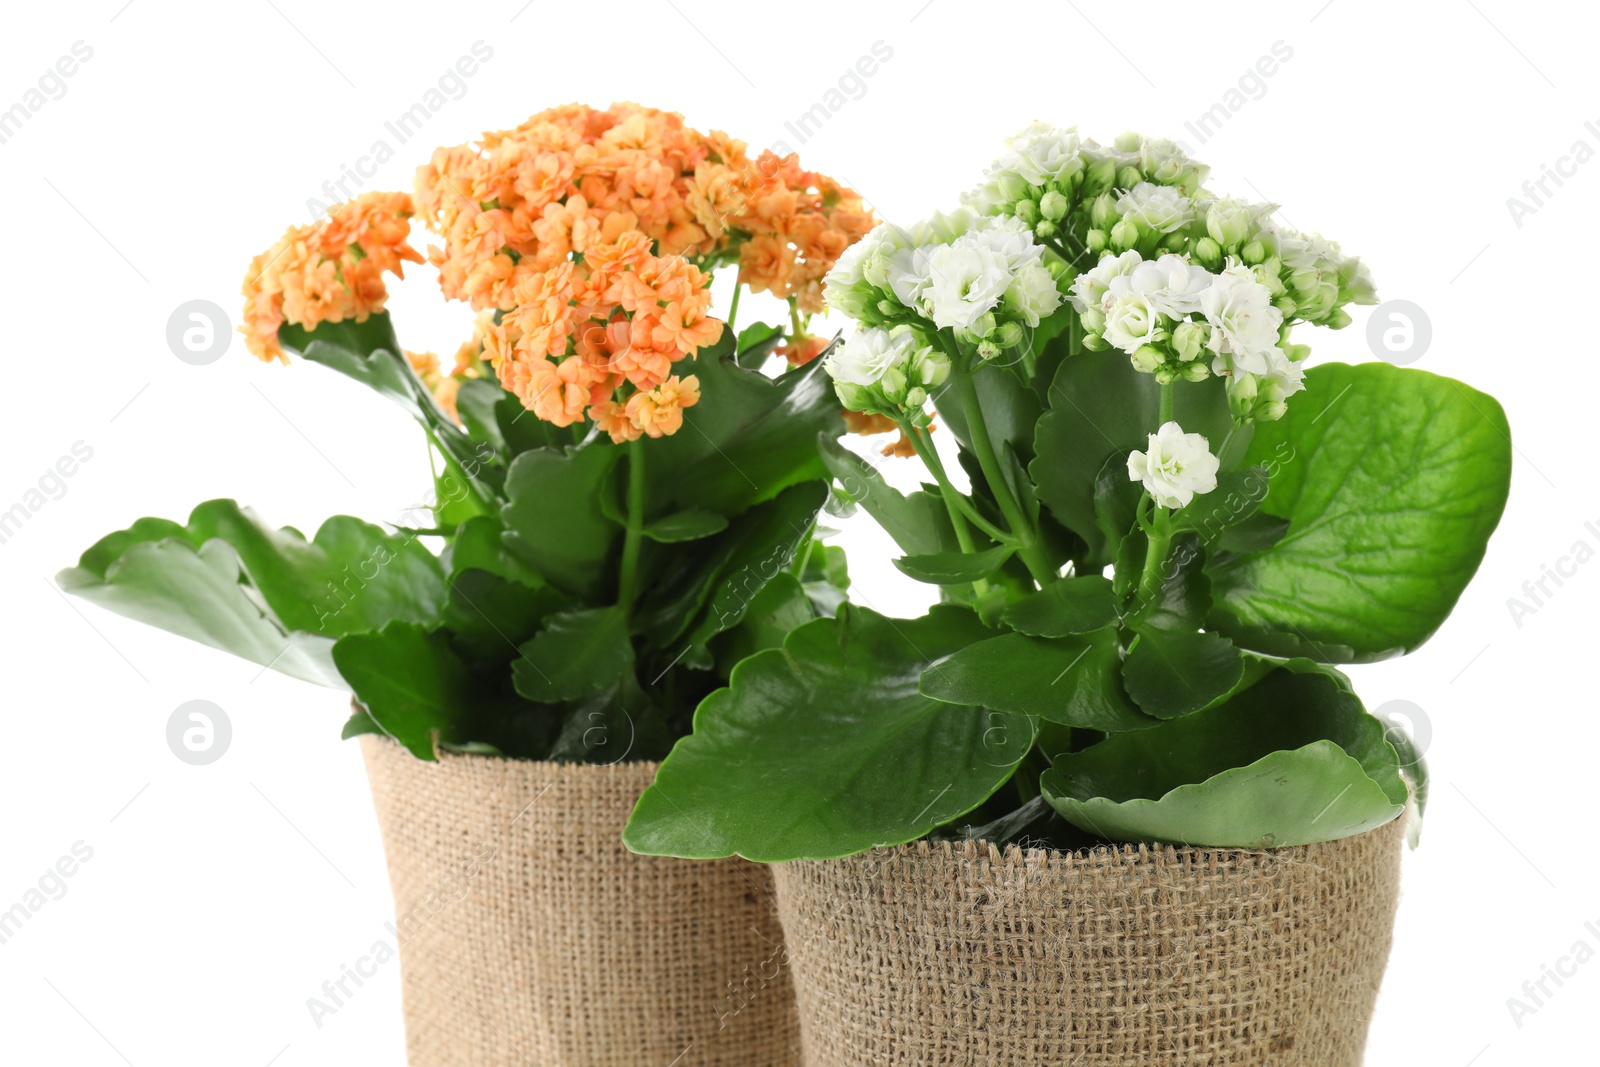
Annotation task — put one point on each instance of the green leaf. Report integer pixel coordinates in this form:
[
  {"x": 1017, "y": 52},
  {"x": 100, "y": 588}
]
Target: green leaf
[
  {"x": 1237, "y": 496},
  {"x": 825, "y": 748},
  {"x": 227, "y": 580},
  {"x": 554, "y": 520},
  {"x": 1069, "y": 680},
  {"x": 1169, "y": 673},
  {"x": 1184, "y": 596},
  {"x": 489, "y": 617},
  {"x": 919, "y": 523},
  {"x": 575, "y": 654},
  {"x": 1100, "y": 407},
  {"x": 497, "y": 418},
  {"x": 1070, "y": 606},
  {"x": 1392, "y": 480},
  {"x": 411, "y": 682},
  {"x": 689, "y": 525},
  {"x": 781, "y": 606},
  {"x": 697, "y": 594},
  {"x": 954, "y": 568},
  {"x": 756, "y": 343},
  {"x": 479, "y": 544},
  {"x": 748, "y": 439},
  {"x": 1116, "y": 499},
  {"x": 1291, "y": 761}
]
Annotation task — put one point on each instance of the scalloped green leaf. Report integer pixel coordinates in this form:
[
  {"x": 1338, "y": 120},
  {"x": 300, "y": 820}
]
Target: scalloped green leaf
[
  {"x": 1392, "y": 480},
  {"x": 228, "y": 580},
  {"x": 954, "y": 568},
  {"x": 1069, "y": 680},
  {"x": 1293, "y": 760},
  {"x": 1078, "y": 605},
  {"x": 825, "y": 748}
]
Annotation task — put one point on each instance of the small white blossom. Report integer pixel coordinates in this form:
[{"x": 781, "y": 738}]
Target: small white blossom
[
  {"x": 966, "y": 280},
  {"x": 1244, "y": 324},
  {"x": 1131, "y": 320},
  {"x": 1161, "y": 208},
  {"x": 1042, "y": 153},
  {"x": 1172, "y": 283},
  {"x": 1176, "y": 467},
  {"x": 1089, "y": 288},
  {"x": 1032, "y": 294},
  {"x": 865, "y": 358}
]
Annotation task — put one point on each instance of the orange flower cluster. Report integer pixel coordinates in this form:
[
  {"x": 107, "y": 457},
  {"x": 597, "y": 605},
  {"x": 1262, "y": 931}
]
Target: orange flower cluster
[
  {"x": 329, "y": 271},
  {"x": 592, "y": 234}
]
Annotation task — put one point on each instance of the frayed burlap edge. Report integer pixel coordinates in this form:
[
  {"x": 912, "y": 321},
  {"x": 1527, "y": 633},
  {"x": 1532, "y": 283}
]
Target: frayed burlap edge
[
  {"x": 529, "y": 936},
  {"x": 1137, "y": 956}
]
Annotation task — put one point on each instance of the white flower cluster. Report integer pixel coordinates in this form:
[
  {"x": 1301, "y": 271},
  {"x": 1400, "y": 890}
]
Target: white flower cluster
[
  {"x": 1168, "y": 312},
  {"x": 885, "y": 370}
]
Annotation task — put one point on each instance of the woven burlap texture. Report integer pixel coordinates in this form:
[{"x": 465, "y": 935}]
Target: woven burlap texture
[
  {"x": 1136, "y": 956},
  {"x": 529, "y": 937}
]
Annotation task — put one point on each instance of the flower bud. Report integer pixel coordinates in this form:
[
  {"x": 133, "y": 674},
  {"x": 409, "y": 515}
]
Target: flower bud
[
  {"x": 853, "y": 397},
  {"x": 1196, "y": 371},
  {"x": 1228, "y": 222},
  {"x": 893, "y": 384},
  {"x": 933, "y": 368},
  {"x": 1101, "y": 173},
  {"x": 916, "y": 397},
  {"x": 888, "y": 308},
  {"x": 1011, "y": 335},
  {"x": 1095, "y": 241},
  {"x": 1129, "y": 176},
  {"x": 1287, "y": 305},
  {"x": 984, "y": 325},
  {"x": 1208, "y": 253},
  {"x": 1045, "y": 228},
  {"x": 1053, "y": 206},
  {"x": 988, "y": 350},
  {"x": 1012, "y": 186},
  {"x": 1253, "y": 253},
  {"x": 1189, "y": 339},
  {"x": 1124, "y": 235},
  {"x": 1093, "y": 319},
  {"x": 1103, "y": 212},
  {"x": 1271, "y": 411},
  {"x": 1146, "y": 358},
  {"x": 1093, "y": 342},
  {"x": 1028, "y": 211},
  {"x": 1166, "y": 374},
  {"x": 1337, "y": 319}
]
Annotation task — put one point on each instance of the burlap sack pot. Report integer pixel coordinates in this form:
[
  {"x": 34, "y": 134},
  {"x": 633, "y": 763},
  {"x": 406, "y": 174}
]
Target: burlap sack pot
[
  {"x": 529, "y": 937},
  {"x": 1136, "y": 956}
]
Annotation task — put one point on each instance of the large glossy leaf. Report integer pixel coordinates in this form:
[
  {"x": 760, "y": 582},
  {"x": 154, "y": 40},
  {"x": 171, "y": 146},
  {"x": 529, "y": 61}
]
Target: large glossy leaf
[
  {"x": 748, "y": 439},
  {"x": 700, "y": 592},
  {"x": 1174, "y": 672},
  {"x": 576, "y": 653},
  {"x": 1069, "y": 680},
  {"x": 1391, "y": 480},
  {"x": 413, "y": 685},
  {"x": 954, "y": 568},
  {"x": 919, "y": 523},
  {"x": 825, "y": 748},
  {"x": 1292, "y": 760},
  {"x": 227, "y": 580},
  {"x": 1101, "y": 407},
  {"x": 554, "y": 519},
  {"x": 1070, "y": 606}
]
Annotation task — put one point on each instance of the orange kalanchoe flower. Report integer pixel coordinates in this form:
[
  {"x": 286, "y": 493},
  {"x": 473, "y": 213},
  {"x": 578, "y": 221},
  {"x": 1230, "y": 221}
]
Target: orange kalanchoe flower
[
  {"x": 590, "y": 236},
  {"x": 329, "y": 271}
]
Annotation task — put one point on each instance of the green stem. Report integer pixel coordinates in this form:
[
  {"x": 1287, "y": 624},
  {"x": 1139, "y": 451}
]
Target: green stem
[
  {"x": 1155, "y": 555},
  {"x": 952, "y": 499},
  {"x": 733, "y": 313},
  {"x": 978, "y": 428},
  {"x": 1167, "y": 391},
  {"x": 923, "y": 443},
  {"x": 634, "y": 536}
]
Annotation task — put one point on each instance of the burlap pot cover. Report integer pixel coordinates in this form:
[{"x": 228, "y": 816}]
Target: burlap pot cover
[
  {"x": 1147, "y": 956},
  {"x": 529, "y": 937}
]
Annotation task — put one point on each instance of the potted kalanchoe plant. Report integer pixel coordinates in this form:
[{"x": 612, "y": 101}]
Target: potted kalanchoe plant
[
  {"x": 1213, "y": 818},
  {"x": 624, "y": 506}
]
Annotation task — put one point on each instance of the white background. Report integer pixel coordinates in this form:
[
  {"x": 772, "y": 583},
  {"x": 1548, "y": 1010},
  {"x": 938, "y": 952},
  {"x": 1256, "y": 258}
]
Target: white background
[{"x": 220, "y": 898}]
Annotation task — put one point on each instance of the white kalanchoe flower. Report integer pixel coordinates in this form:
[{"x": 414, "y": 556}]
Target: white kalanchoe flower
[
  {"x": 1244, "y": 324},
  {"x": 865, "y": 358},
  {"x": 1131, "y": 318},
  {"x": 1172, "y": 283},
  {"x": 1042, "y": 153},
  {"x": 1177, "y": 466},
  {"x": 1161, "y": 208},
  {"x": 966, "y": 280},
  {"x": 1089, "y": 288}
]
